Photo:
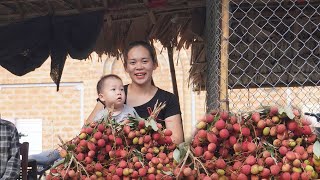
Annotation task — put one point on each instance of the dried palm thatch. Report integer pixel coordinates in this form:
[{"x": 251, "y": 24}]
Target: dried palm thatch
[
  {"x": 175, "y": 23},
  {"x": 124, "y": 20},
  {"x": 180, "y": 23}
]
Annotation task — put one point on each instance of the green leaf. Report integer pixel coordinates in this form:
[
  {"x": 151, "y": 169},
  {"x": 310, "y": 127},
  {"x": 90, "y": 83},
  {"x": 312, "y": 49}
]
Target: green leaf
[
  {"x": 147, "y": 123},
  {"x": 138, "y": 118},
  {"x": 316, "y": 149},
  {"x": 57, "y": 163},
  {"x": 71, "y": 147},
  {"x": 154, "y": 125},
  {"x": 281, "y": 110},
  {"x": 67, "y": 158},
  {"x": 182, "y": 145},
  {"x": 176, "y": 155},
  {"x": 288, "y": 111},
  {"x": 167, "y": 173},
  {"x": 216, "y": 118},
  {"x": 183, "y": 153},
  {"x": 65, "y": 165}
]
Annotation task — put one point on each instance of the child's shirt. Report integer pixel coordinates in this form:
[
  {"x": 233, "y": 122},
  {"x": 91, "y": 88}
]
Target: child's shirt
[{"x": 125, "y": 113}]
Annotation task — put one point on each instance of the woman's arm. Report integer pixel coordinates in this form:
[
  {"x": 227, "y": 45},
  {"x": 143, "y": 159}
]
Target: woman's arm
[
  {"x": 99, "y": 106},
  {"x": 174, "y": 124}
]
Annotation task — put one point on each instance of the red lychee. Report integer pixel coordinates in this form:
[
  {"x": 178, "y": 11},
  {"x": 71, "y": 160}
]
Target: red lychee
[
  {"x": 290, "y": 155},
  {"x": 246, "y": 169},
  {"x": 274, "y": 169},
  {"x": 212, "y": 147},
  {"x": 281, "y": 128},
  {"x": 273, "y": 111},
  {"x": 80, "y": 157},
  {"x": 101, "y": 127},
  {"x": 221, "y": 164},
  {"x": 209, "y": 118},
  {"x": 224, "y": 133},
  {"x": 98, "y": 167},
  {"x": 269, "y": 161},
  {"x": 292, "y": 125},
  {"x": 236, "y": 127},
  {"x": 252, "y": 146},
  {"x": 250, "y": 160},
  {"x": 220, "y": 124},
  {"x": 224, "y": 115},
  {"x": 101, "y": 143},
  {"x": 261, "y": 124},
  {"x": 202, "y": 134},
  {"x": 245, "y": 131},
  {"x": 255, "y": 117},
  {"x": 283, "y": 150},
  {"x": 198, "y": 151},
  {"x": 212, "y": 138}
]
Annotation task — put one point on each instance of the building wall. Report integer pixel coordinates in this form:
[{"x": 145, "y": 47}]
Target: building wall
[{"x": 34, "y": 95}]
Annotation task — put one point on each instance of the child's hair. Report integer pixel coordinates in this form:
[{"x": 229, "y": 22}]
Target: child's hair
[{"x": 100, "y": 83}]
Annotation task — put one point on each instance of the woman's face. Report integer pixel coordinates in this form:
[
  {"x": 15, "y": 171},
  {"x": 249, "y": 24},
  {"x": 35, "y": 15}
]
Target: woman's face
[{"x": 139, "y": 65}]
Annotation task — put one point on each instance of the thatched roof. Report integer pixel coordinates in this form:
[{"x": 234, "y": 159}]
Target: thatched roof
[
  {"x": 34, "y": 29},
  {"x": 124, "y": 20},
  {"x": 78, "y": 27}
]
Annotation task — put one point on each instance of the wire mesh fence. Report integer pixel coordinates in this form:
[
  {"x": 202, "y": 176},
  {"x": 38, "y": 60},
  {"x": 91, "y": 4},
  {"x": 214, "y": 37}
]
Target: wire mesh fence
[
  {"x": 213, "y": 47},
  {"x": 273, "y": 53}
]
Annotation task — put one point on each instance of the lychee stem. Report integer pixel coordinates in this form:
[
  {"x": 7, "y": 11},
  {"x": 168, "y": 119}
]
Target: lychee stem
[
  {"x": 205, "y": 170},
  {"x": 184, "y": 160}
]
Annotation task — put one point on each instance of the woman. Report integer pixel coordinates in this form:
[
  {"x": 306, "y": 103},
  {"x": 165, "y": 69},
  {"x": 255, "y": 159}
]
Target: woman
[{"x": 140, "y": 62}]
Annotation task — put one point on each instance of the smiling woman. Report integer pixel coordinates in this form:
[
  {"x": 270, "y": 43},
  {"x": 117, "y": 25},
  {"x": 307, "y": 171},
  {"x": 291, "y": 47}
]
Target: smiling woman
[{"x": 141, "y": 94}]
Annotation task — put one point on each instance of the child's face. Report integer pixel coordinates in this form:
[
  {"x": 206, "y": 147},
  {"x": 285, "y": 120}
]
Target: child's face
[{"x": 112, "y": 93}]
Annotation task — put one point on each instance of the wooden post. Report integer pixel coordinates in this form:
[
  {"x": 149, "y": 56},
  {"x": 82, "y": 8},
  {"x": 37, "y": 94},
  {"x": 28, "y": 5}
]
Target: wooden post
[
  {"x": 172, "y": 70},
  {"x": 224, "y": 55}
]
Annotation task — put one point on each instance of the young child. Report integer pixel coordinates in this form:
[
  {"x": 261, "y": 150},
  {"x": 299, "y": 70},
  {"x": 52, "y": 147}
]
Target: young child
[{"x": 111, "y": 93}]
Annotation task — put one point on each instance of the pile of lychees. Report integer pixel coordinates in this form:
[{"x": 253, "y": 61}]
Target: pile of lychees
[
  {"x": 270, "y": 144},
  {"x": 136, "y": 148}
]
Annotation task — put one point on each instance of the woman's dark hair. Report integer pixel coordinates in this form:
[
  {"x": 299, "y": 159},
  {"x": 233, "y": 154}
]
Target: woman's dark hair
[
  {"x": 103, "y": 78},
  {"x": 144, "y": 44}
]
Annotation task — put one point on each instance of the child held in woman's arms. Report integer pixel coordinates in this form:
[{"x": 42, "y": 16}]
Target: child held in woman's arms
[
  {"x": 111, "y": 93},
  {"x": 140, "y": 62}
]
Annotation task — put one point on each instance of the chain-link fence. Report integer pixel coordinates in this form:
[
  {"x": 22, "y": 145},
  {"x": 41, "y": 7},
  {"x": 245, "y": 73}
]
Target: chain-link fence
[
  {"x": 213, "y": 47},
  {"x": 273, "y": 53}
]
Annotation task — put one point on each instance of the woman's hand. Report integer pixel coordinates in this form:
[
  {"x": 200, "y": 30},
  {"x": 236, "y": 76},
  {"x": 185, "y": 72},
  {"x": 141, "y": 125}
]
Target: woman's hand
[
  {"x": 99, "y": 106},
  {"x": 174, "y": 124}
]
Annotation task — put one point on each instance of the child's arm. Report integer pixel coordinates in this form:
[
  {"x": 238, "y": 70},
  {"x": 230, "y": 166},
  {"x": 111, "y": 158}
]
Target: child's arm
[{"x": 99, "y": 106}]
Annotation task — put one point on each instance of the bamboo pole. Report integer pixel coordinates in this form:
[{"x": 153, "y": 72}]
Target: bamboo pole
[{"x": 224, "y": 56}]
